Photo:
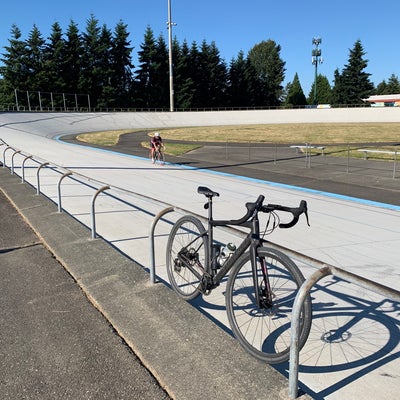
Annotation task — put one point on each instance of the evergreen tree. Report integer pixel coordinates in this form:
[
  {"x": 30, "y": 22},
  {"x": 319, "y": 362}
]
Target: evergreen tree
[
  {"x": 295, "y": 96},
  {"x": 238, "y": 93},
  {"x": 104, "y": 69},
  {"x": 71, "y": 68},
  {"x": 4, "y": 98},
  {"x": 284, "y": 94},
  {"x": 255, "y": 86},
  {"x": 121, "y": 79},
  {"x": 160, "y": 97},
  {"x": 89, "y": 80},
  {"x": 212, "y": 78},
  {"x": 338, "y": 90},
  {"x": 324, "y": 91},
  {"x": 195, "y": 72},
  {"x": 151, "y": 84},
  {"x": 184, "y": 85},
  {"x": 270, "y": 72},
  {"x": 144, "y": 82},
  {"x": 35, "y": 61},
  {"x": 391, "y": 87},
  {"x": 354, "y": 81},
  {"x": 381, "y": 88},
  {"x": 394, "y": 84},
  {"x": 14, "y": 70},
  {"x": 54, "y": 60}
]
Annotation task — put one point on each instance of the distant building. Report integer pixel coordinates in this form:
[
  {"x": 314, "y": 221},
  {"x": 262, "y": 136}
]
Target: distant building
[{"x": 384, "y": 100}]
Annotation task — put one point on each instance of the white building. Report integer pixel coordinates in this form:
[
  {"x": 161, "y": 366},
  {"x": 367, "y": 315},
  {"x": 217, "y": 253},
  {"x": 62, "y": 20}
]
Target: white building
[{"x": 384, "y": 100}]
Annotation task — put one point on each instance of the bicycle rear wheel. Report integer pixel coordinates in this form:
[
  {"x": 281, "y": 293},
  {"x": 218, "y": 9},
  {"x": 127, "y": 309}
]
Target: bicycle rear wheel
[
  {"x": 187, "y": 255},
  {"x": 265, "y": 331}
]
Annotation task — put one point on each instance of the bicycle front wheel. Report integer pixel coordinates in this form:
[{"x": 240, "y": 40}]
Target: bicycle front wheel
[
  {"x": 264, "y": 329},
  {"x": 187, "y": 255},
  {"x": 159, "y": 156}
]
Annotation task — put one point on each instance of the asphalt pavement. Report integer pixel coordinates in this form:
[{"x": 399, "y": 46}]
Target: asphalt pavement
[{"x": 53, "y": 343}]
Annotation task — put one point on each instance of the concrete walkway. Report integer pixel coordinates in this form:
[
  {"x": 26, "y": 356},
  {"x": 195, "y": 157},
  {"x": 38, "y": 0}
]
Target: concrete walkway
[{"x": 54, "y": 343}]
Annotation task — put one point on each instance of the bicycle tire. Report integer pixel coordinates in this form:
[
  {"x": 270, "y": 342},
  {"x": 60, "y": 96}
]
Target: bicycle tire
[
  {"x": 187, "y": 231},
  {"x": 158, "y": 156},
  {"x": 265, "y": 333}
]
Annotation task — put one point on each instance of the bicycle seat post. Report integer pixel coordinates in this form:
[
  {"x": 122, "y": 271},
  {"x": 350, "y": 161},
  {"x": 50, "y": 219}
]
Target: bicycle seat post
[
  {"x": 212, "y": 251},
  {"x": 209, "y": 207}
]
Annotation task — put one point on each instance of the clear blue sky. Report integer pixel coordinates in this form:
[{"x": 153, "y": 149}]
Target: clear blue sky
[{"x": 238, "y": 25}]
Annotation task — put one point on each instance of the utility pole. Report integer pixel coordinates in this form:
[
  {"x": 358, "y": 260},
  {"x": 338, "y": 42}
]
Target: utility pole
[{"x": 170, "y": 24}]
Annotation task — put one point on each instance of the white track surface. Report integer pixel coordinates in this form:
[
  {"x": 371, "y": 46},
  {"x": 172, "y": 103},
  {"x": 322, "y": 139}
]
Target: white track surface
[{"x": 361, "y": 237}]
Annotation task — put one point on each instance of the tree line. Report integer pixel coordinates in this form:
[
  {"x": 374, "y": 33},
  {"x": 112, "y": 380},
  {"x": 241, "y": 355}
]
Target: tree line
[{"x": 98, "y": 62}]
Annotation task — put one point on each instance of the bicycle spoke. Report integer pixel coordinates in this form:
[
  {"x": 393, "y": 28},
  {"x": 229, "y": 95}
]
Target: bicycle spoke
[
  {"x": 264, "y": 328},
  {"x": 186, "y": 255}
]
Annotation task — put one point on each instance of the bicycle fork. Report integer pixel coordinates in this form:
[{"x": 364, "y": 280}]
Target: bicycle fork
[{"x": 262, "y": 289}]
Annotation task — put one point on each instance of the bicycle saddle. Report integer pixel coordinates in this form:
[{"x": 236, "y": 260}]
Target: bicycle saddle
[{"x": 206, "y": 191}]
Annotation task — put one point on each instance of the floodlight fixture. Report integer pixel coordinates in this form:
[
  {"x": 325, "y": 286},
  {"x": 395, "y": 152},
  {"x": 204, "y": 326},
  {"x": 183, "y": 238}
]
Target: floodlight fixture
[
  {"x": 315, "y": 60},
  {"x": 316, "y": 41}
]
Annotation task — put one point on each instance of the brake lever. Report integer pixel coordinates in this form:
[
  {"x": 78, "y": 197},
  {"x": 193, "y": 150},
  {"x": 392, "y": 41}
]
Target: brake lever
[
  {"x": 303, "y": 205},
  {"x": 296, "y": 214}
]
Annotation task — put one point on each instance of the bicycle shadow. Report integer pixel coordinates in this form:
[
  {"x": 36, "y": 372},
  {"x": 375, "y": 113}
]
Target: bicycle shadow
[{"x": 354, "y": 332}]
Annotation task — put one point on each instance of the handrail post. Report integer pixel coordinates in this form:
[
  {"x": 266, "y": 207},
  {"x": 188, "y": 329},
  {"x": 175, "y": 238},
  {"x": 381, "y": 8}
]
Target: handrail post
[
  {"x": 151, "y": 235},
  {"x": 295, "y": 328},
  {"x": 23, "y": 168},
  {"x": 37, "y": 176},
  {"x": 59, "y": 189},
  {"x": 98, "y": 191},
  {"x": 4, "y": 155},
  {"x": 12, "y": 160},
  {"x": 394, "y": 164}
]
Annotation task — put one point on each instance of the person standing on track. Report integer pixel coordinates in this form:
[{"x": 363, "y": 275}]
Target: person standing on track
[{"x": 156, "y": 142}]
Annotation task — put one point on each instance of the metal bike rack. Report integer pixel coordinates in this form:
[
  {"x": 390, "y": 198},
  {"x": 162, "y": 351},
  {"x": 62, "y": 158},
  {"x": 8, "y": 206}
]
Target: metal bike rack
[
  {"x": 98, "y": 191},
  {"x": 69, "y": 173},
  {"x": 37, "y": 176},
  {"x": 303, "y": 292},
  {"x": 23, "y": 168},
  {"x": 4, "y": 155},
  {"x": 152, "y": 252},
  {"x": 12, "y": 160}
]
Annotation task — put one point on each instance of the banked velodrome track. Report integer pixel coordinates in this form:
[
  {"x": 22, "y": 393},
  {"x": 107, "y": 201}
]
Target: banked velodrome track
[{"x": 362, "y": 237}]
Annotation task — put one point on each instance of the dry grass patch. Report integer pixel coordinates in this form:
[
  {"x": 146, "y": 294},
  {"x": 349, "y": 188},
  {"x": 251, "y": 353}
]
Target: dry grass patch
[
  {"x": 290, "y": 133},
  {"x": 103, "y": 138},
  {"x": 334, "y": 136}
]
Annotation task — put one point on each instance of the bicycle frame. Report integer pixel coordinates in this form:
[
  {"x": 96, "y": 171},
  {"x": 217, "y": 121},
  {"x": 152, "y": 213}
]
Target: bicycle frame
[
  {"x": 212, "y": 273},
  {"x": 252, "y": 240}
]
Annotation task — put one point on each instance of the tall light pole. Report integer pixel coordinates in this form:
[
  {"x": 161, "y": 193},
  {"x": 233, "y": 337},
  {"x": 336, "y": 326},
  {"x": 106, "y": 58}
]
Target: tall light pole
[
  {"x": 170, "y": 24},
  {"x": 316, "y": 58}
]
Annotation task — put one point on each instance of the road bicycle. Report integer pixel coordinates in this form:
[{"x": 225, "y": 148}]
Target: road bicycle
[
  {"x": 262, "y": 284},
  {"x": 158, "y": 155}
]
